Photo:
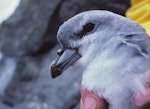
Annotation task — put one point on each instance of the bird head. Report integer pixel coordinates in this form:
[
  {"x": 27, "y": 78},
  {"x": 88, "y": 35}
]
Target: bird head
[{"x": 87, "y": 34}]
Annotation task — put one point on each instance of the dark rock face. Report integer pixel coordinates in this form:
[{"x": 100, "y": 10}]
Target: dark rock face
[
  {"x": 73, "y": 7},
  {"x": 23, "y": 32},
  {"x": 26, "y": 39}
]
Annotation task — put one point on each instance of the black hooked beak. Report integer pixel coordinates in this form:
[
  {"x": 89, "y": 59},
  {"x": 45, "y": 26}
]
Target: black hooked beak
[{"x": 66, "y": 59}]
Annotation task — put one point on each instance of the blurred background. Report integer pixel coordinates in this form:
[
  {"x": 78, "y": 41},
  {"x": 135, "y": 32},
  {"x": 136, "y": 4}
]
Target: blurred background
[{"x": 28, "y": 45}]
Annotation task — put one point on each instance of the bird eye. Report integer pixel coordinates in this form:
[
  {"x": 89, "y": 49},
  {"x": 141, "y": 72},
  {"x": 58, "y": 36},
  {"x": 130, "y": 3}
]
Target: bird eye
[
  {"x": 88, "y": 27},
  {"x": 60, "y": 52}
]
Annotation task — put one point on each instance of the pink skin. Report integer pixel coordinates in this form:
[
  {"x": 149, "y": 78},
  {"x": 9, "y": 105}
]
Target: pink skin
[
  {"x": 143, "y": 100},
  {"x": 91, "y": 100}
]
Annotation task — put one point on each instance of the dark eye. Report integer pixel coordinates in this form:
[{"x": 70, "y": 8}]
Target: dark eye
[{"x": 88, "y": 27}]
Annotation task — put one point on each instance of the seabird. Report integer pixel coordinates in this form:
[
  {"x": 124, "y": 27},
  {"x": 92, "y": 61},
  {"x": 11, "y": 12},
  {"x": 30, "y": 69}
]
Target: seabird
[{"x": 113, "y": 52}]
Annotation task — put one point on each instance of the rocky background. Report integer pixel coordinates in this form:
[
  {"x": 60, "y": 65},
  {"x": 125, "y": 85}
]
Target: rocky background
[{"x": 27, "y": 47}]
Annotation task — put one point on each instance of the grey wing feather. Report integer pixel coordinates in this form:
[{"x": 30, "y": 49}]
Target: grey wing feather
[{"x": 139, "y": 41}]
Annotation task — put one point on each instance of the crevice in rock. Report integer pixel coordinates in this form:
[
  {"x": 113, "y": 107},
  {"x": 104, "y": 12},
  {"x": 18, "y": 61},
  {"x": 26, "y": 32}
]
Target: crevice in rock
[
  {"x": 8, "y": 103},
  {"x": 50, "y": 33},
  {"x": 54, "y": 22},
  {"x": 45, "y": 47}
]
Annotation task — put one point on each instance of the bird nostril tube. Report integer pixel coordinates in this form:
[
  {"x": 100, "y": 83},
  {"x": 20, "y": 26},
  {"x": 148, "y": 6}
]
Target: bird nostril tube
[{"x": 60, "y": 51}]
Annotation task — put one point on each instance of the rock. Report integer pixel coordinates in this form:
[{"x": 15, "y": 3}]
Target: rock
[
  {"x": 33, "y": 105},
  {"x": 4, "y": 106},
  {"x": 77, "y": 106},
  {"x": 33, "y": 85},
  {"x": 69, "y": 9},
  {"x": 7, "y": 70},
  {"x": 23, "y": 32}
]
